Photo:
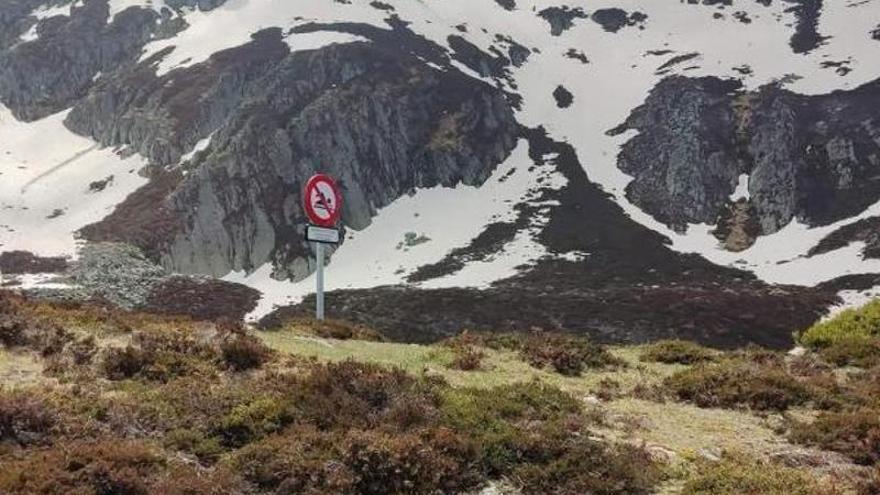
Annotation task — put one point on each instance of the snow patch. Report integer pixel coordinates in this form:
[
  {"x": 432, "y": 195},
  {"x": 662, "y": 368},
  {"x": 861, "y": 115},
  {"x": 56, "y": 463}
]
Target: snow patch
[
  {"x": 742, "y": 189},
  {"x": 237, "y": 20},
  {"x": 45, "y": 194},
  {"x": 853, "y": 299}
]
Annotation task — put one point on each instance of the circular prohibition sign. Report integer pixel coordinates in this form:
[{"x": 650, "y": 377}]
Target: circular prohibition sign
[{"x": 322, "y": 201}]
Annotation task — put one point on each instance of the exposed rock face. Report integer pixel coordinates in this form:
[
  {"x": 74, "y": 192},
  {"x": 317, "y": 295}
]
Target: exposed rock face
[
  {"x": 15, "y": 21},
  {"x": 811, "y": 158},
  {"x": 44, "y": 76},
  {"x": 375, "y": 117},
  {"x": 48, "y": 74},
  {"x": 682, "y": 162}
]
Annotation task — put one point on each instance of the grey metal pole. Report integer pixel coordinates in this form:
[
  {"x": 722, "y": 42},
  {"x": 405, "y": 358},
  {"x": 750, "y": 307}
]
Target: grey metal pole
[{"x": 319, "y": 296}]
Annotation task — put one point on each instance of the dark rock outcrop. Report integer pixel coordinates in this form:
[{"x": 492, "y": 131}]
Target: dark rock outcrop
[
  {"x": 613, "y": 20},
  {"x": 371, "y": 114},
  {"x": 46, "y": 75},
  {"x": 866, "y": 231},
  {"x": 562, "y": 18},
  {"x": 811, "y": 158},
  {"x": 563, "y": 97},
  {"x": 15, "y": 20},
  {"x": 682, "y": 160},
  {"x": 806, "y": 37}
]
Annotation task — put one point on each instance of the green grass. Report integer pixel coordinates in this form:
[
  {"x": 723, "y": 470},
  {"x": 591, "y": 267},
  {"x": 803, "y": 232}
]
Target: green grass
[
  {"x": 852, "y": 337},
  {"x": 849, "y": 324},
  {"x": 500, "y": 367}
]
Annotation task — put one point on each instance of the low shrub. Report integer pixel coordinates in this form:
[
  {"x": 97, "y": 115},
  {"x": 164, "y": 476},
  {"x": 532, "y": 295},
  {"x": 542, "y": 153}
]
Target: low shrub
[
  {"x": 252, "y": 420},
  {"x": 306, "y": 460},
  {"x": 24, "y": 419},
  {"x": 353, "y": 394},
  {"x": 127, "y": 362},
  {"x": 855, "y": 433},
  {"x": 567, "y": 355},
  {"x": 194, "y": 441},
  {"x": 105, "y": 466},
  {"x": 244, "y": 352},
  {"x": 856, "y": 322},
  {"x": 852, "y": 337},
  {"x": 467, "y": 358},
  {"x": 613, "y": 469},
  {"x": 737, "y": 474},
  {"x": 676, "y": 352},
  {"x": 856, "y": 351},
  {"x": 492, "y": 419},
  {"x": 738, "y": 382},
  {"x": 184, "y": 480}
]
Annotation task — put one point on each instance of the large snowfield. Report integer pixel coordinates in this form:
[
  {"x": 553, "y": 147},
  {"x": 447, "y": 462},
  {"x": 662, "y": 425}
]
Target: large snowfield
[{"x": 46, "y": 169}]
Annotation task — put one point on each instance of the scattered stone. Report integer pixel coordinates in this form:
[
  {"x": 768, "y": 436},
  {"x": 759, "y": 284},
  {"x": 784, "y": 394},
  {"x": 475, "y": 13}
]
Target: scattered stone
[
  {"x": 563, "y": 97},
  {"x": 676, "y": 60},
  {"x": 376, "y": 4},
  {"x": 57, "y": 212},
  {"x": 100, "y": 185},
  {"x": 577, "y": 55},
  {"x": 841, "y": 67}
]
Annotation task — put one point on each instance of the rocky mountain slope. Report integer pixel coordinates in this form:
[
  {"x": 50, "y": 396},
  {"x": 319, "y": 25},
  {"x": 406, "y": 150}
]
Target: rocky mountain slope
[{"x": 626, "y": 168}]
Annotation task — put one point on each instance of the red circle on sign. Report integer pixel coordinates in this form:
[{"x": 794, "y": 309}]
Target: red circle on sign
[{"x": 322, "y": 200}]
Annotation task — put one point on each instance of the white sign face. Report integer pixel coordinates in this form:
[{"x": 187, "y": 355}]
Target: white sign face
[
  {"x": 323, "y": 200},
  {"x": 322, "y": 235}
]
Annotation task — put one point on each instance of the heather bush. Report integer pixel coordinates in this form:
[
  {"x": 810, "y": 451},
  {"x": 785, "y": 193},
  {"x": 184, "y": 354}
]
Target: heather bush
[
  {"x": 24, "y": 418},
  {"x": 467, "y": 358},
  {"x": 567, "y": 355},
  {"x": 738, "y": 381},
  {"x": 854, "y": 433},
  {"x": 676, "y": 352},
  {"x": 252, "y": 420},
  {"x": 244, "y": 352},
  {"x": 110, "y": 466}
]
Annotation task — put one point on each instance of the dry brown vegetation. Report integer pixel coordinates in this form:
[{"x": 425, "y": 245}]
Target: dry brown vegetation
[{"x": 132, "y": 403}]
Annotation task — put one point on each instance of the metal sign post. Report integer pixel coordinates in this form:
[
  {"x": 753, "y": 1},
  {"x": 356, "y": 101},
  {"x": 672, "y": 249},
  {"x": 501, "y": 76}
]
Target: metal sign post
[
  {"x": 323, "y": 205},
  {"x": 319, "y": 295}
]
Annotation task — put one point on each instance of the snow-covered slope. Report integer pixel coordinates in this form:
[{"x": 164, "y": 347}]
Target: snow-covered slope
[
  {"x": 53, "y": 182},
  {"x": 607, "y": 54}
]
